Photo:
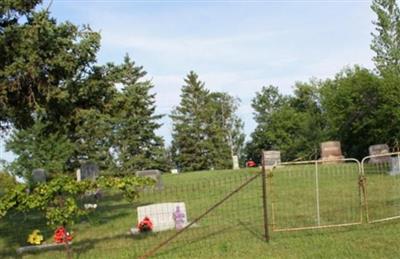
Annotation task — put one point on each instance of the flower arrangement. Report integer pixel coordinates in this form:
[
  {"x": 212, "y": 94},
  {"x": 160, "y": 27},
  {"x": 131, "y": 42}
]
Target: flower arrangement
[
  {"x": 90, "y": 206},
  {"x": 145, "y": 225},
  {"x": 61, "y": 235},
  {"x": 35, "y": 238}
]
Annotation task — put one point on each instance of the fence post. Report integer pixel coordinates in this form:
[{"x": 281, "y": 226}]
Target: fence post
[
  {"x": 317, "y": 192},
  {"x": 264, "y": 197}
]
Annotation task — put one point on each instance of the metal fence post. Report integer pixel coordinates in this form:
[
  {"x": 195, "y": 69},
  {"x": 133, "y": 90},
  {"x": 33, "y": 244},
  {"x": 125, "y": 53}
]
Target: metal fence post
[
  {"x": 317, "y": 192},
  {"x": 264, "y": 197}
]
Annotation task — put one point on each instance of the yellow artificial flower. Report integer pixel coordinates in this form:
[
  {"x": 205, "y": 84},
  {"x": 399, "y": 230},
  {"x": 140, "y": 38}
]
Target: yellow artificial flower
[{"x": 35, "y": 238}]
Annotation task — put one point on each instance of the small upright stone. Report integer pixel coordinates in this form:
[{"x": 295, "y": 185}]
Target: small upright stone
[
  {"x": 235, "y": 161},
  {"x": 272, "y": 158},
  {"x": 39, "y": 175},
  {"x": 376, "y": 151},
  {"x": 331, "y": 151},
  {"x": 154, "y": 174},
  {"x": 78, "y": 175},
  {"x": 89, "y": 170}
]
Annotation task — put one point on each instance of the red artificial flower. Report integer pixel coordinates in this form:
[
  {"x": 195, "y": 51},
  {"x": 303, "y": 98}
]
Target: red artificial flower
[
  {"x": 145, "y": 225},
  {"x": 61, "y": 235}
]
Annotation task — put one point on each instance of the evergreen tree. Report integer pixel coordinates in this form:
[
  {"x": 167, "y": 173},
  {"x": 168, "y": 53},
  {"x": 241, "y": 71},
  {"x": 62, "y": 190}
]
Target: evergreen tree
[
  {"x": 206, "y": 129},
  {"x": 190, "y": 144},
  {"x": 135, "y": 142},
  {"x": 36, "y": 148},
  {"x": 38, "y": 59}
]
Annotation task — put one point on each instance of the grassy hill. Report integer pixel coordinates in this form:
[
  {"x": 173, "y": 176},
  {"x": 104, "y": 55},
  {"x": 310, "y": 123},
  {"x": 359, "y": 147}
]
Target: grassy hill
[{"x": 234, "y": 230}]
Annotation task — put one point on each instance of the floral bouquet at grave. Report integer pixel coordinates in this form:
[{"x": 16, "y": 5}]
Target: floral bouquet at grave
[
  {"x": 61, "y": 235},
  {"x": 145, "y": 225},
  {"x": 35, "y": 238}
]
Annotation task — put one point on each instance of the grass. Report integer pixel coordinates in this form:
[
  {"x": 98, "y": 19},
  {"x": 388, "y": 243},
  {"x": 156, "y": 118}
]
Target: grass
[{"x": 235, "y": 230}]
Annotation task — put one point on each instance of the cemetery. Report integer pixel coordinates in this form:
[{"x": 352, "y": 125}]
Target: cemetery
[
  {"x": 104, "y": 155},
  {"x": 117, "y": 228}
]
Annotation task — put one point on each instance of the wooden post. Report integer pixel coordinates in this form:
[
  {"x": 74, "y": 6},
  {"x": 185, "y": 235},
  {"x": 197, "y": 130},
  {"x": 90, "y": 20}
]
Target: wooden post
[{"x": 264, "y": 197}]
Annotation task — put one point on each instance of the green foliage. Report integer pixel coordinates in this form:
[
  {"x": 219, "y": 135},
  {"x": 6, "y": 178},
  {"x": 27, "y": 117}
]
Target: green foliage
[
  {"x": 291, "y": 124},
  {"x": 134, "y": 141},
  {"x": 189, "y": 125},
  {"x": 352, "y": 108},
  {"x": 38, "y": 60},
  {"x": 386, "y": 39},
  {"x": 62, "y": 107},
  {"x": 35, "y": 148},
  {"x": 206, "y": 130},
  {"x": 7, "y": 182},
  {"x": 59, "y": 198}
]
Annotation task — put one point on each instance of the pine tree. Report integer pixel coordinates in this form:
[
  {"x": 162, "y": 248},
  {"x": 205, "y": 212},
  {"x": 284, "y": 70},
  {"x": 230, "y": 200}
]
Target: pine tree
[
  {"x": 135, "y": 142},
  {"x": 189, "y": 134},
  {"x": 206, "y": 130},
  {"x": 35, "y": 147}
]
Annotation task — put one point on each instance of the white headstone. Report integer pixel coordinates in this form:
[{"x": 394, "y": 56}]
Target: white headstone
[
  {"x": 394, "y": 166},
  {"x": 162, "y": 215},
  {"x": 78, "y": 175},
  {"x": 174, "y": 171},
  {"x": 235, "y": 160}
]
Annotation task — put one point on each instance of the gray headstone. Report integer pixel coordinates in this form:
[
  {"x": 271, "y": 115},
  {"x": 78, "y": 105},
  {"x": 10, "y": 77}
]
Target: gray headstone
[
  {"x": 89, "y": 170},
  {"x": 154, "y": 174},
  {"x": 379, "y": 150},
  {"x": 39, "y": 175},
  {"x": 272, "y": 157}
]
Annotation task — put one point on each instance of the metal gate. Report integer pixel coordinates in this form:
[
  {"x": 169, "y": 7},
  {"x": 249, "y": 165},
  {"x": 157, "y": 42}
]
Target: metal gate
[
  {"x": 382, "y": 197},
  {"x": 315, "y": 194}
]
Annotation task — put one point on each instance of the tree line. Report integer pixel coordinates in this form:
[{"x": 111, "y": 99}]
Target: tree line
[
  {"x": 359, "y": 107},
  {"x": 62, "y": 108}
]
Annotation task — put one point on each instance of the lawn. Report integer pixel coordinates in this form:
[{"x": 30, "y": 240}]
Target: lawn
[{"x": 235, "y": 229}]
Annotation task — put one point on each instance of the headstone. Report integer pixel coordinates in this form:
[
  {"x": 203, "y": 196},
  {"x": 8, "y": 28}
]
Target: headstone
[
  {"x": 162, "y": 215},
  {"x": 154, "y": 174},
  {"x": 376, "y": 151},
  {"x": 39, "y": 175},
  {"x": 174, "y": 171},
  {"x": 235, "y": 160},
  {"x": 89, "y": 170},
  {"x": 272, "y": 157},
  {"x": 394, "y": 165},
  {"x": 78, "y": 175},
  {"x": 331, "y": 151}
]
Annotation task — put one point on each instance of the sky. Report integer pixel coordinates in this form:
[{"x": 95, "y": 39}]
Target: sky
[{"x": 234, "y": 46}]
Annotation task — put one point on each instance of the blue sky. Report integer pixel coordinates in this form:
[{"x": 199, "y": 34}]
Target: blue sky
[{"x": 234, "y": 46}]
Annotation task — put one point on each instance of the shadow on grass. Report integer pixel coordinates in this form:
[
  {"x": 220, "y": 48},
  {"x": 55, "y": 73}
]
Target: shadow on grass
[{"x": 16, "y": 226}]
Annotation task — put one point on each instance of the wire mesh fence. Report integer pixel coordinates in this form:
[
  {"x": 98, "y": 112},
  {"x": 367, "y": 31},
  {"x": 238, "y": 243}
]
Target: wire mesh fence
[
  {"x": 227, "y": 207},
  {"x": 382, "y": 173},
  {"x": 106, "y": 233},
  {"x": 314, "y": 194}
]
